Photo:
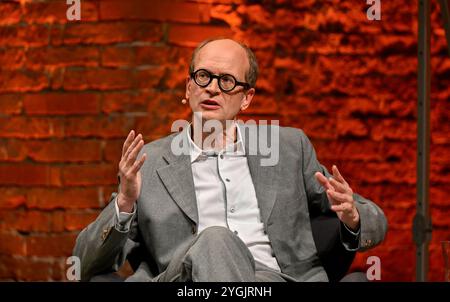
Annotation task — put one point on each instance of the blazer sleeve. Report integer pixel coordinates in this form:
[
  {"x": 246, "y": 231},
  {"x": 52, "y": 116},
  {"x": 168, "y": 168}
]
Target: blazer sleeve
[
  {"x": 373, "y": 223},
  {"x": 103, "y": 246}
]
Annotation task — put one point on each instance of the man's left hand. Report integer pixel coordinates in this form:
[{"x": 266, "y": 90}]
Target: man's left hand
[{"x": 340, "y": 196}]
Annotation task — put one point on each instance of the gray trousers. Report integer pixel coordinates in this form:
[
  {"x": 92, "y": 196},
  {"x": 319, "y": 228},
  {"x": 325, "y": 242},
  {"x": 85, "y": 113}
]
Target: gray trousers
[{"x": 218, "y": 255}]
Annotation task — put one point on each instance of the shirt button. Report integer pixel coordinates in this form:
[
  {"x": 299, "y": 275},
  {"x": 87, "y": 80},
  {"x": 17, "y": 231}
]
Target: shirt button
[
  {"x": 232, "y": 210},
  {"x": 227, "y": 179},
  {"x": 235, "y": 232},
  {"x": 221, "y": 156},
  {"x": 105, "y": 233}
]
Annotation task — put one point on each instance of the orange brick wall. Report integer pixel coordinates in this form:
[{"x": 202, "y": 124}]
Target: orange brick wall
[{"x": 71, "y": 91}]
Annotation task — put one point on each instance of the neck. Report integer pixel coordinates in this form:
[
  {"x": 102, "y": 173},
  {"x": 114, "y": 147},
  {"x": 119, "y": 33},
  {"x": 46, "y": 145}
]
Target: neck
[{"x": 213, "y": 134}]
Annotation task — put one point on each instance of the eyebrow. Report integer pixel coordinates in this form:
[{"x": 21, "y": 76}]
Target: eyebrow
[{"x": 219, "y": 74}]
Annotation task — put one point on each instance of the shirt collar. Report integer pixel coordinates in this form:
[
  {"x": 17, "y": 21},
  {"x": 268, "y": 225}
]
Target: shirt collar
[{"x": 235, "y": 149}]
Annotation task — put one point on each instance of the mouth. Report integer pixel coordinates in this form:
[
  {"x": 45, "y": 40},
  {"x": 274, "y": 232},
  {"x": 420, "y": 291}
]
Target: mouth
[{"x": 210, "y": 104}]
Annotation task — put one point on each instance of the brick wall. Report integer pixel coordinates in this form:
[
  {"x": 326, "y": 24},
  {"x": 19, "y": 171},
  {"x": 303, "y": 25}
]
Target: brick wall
[{"x": 71, "y": 91}]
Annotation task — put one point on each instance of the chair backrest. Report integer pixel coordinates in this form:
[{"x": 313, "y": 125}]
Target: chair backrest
[{"x": 334, "y": 257}]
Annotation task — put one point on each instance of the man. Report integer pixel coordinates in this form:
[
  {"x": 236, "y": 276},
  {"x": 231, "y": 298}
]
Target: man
[{"x": 215, "y": 212}]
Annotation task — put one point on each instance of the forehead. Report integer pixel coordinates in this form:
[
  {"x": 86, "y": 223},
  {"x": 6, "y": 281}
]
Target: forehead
[{"x": 223, "y": 56}]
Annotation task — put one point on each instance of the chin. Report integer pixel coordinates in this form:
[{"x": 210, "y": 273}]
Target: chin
[
  {"x": 211, "y": 115},
  {"x": 208, "y": 116}
]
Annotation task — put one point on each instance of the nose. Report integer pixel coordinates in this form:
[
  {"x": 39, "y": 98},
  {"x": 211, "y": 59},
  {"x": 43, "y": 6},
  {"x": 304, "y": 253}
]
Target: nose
[{"x": 213, "y": 87}]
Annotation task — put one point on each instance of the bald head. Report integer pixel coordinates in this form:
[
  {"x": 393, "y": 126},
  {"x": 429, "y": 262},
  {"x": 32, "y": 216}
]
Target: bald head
[{"x": 242, "y": 53}]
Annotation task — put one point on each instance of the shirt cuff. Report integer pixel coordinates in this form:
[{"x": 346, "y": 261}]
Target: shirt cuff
[
  {"x": 352, "y": 232},
  {"x": 124, "y": 219},
  {"x": 349, "y": 238}
]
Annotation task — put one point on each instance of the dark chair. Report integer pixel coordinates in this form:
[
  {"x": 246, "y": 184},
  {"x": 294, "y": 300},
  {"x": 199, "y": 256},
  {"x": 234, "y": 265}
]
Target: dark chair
[{"x": 334, "y": 257}]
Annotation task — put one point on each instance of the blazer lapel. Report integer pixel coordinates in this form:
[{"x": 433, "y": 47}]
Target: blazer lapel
[
  {"x": 264, "y": 181},
  {"x": 263, "y": 177},
  {"x": 178, "y": 180}
]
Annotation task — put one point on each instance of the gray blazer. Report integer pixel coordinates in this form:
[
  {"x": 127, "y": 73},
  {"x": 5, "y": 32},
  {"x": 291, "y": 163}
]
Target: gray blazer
[{"x": 167, "y": 215}]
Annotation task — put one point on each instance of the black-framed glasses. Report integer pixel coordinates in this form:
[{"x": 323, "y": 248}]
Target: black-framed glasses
[{"x": 227, "y": 82}]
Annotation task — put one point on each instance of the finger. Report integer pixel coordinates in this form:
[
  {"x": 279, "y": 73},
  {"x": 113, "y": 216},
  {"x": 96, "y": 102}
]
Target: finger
[
  {"x": 134, "y": 153},
  {"x": 127, "y": 142},
  {"x": 340, "y": 197},
  {"x": 339, "y": 187},
  {"x": 138, "y": 164},
  {"x": 342, "y": 208},
  {"x": 331, "y": 199},
  {"x": 337, "y": 174},
  {"x": 323, "y": 181},
  {"x": 136, "y": 140}
]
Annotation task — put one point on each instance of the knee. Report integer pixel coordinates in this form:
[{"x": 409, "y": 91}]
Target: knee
[
  {"x": 216, "y": 233},
  {"x": 220, "y": 241},
  {"x": 355, "y": 277}
]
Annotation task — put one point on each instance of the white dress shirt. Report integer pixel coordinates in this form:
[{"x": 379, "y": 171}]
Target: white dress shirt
[{"x": 226, "y": 197}]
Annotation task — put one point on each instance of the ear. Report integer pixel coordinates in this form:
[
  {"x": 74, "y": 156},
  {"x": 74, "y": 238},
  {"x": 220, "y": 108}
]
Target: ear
[
  {"x": 188, "y": 87},
  {"x": 247, "y": 99}
]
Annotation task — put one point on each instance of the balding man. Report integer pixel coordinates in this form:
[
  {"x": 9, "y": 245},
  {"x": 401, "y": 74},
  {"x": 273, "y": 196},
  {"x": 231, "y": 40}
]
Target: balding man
[{"x": 201, "y": 205}]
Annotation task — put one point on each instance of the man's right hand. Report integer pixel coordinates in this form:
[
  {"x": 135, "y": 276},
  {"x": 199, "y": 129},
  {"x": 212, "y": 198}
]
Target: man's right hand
[{"x": 130, "y": 176}]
